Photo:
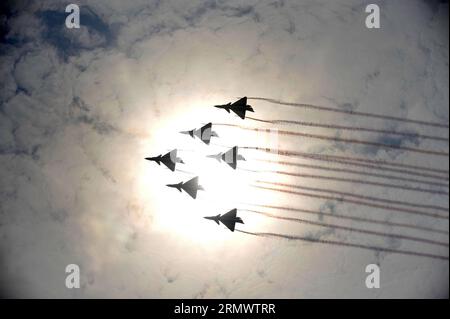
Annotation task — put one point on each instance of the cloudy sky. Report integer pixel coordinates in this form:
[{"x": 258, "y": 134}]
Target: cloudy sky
[{"x": 80, "y": 109}]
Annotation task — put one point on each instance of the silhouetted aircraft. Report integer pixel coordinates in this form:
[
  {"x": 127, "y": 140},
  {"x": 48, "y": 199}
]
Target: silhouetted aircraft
[
  {"x": 239, "y": 107},
  {"x": 204, "y": 133},
  {"x": 191, "y": 187},
  {"x": 229, "y": 219},
  {"x": 170, "y": 159},
  {"x": 230, "y": 157}
]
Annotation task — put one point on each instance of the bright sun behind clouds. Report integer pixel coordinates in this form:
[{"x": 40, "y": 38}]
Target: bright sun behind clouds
[{"x": 225, "y": 188}]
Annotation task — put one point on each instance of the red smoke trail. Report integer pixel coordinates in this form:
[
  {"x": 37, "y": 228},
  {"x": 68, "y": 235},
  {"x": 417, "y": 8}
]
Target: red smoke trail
[
  {"x": 344, "y": 170},
  {"x": 354, "y": 161},
  {"x": 338, "y": 243},
  {"x": 352, "y": 229},
  {"x": 350, "y": 140},
  {"x": 384, "y": 207},
  {"x": 350, "y": 112},
  {"x": 370, "y": 198},
  {"x": 358, "y": 181},
  {"x": 358, "y": 219},
  {"x": 349, "y": 128},
  {"x": 394, "y": 170}
]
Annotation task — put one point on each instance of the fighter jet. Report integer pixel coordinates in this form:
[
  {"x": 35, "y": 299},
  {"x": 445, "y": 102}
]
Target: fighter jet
[
  {"x": 230, "y": 157},
  {"x": 229, "y": 219},
  {"x": 170, "y": 159},
  {"x": 204, "y": 133},
  {"x": 191, "y": 187},
  {"x": 239, "y": 107}
]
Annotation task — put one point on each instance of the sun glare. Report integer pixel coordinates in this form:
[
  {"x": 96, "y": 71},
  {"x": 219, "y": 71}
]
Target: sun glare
[{"x": 224, "y": 188}]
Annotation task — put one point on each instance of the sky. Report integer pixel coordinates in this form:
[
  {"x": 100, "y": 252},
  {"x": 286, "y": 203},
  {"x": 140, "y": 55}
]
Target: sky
[{"x": 80, "y": 109}]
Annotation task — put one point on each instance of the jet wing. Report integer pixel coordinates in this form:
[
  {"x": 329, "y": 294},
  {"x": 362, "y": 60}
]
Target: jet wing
[
  {"x": 191, "y": 187},
  {"x": 230, "y": 215},
  {"x": 230, "y": 157},
  {"x": 230, "y": 224},
  {"x": 239, "y": 111},
  {"x": 240, "y": 102},
  {"x": 167, "y": 160},
  {"x": 204, "y": 133}
]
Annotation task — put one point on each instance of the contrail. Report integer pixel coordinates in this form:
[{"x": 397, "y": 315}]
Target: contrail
[
  {"x": 357, "y": 202},
  {"x": 350, "y": 112},
  {"x": 358, "y": 181},
  {"x": 370, "y": 198},
  {"x": 338, "y": 243},
  {"x": 354, "y": 218},
  {"x": 352, "y": 229},
  {"x": 349, "y": 140},
  {"x": 349, "y": 128},
  {"x": 354, "y": 161},
  {"x": 350, "y": 171}
]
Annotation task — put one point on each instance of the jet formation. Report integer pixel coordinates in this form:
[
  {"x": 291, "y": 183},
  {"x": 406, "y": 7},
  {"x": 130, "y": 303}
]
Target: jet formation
[{"x": 205, "y": 133}]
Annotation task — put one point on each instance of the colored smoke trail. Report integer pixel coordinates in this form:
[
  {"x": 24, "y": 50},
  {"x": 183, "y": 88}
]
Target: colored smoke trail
[
  {"x": 353, "y": 218},
  {"x": 350, "y": 112},
  {"x": 370, "y": 198},
  {"x": 344, "y": 244},
  {"x": 350, "y": 171},
  {"x": 353, "y": 229},
  {"x": 351, "y": 160},
  {"x": 349, "y": 140},
  {"x": 357, "y": 202},
  {"x": 349, "y": 128},
  {"x": 359, "y": 181}
]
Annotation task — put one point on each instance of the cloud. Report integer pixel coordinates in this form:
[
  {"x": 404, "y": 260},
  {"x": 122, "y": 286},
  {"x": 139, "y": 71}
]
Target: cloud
[{"x": 93, "y": 32}]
